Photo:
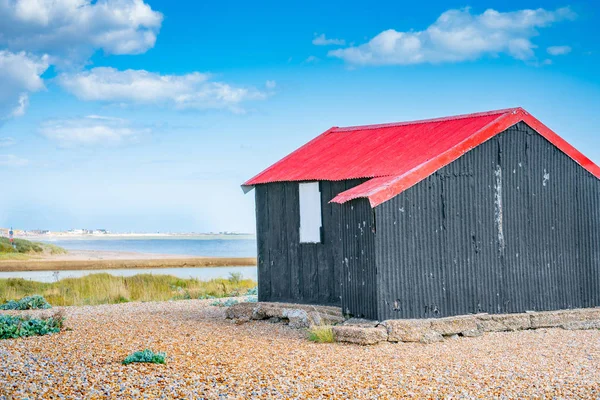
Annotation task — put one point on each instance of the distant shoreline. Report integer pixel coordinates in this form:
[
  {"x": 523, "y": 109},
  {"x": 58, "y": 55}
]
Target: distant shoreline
[
  {"x": 96, "y": 259},
  {"x": 124, "y": 236}
]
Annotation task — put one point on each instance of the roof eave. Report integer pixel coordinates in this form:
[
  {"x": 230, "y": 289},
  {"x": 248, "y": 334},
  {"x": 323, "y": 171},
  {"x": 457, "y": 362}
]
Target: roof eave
[
  {"x": 247, "y": 188},
  {"x": 411, "y": 178},
  {"x": 401, "y": 183}
]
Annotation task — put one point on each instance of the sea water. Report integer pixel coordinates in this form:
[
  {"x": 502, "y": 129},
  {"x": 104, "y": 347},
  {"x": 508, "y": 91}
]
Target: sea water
[
  {"x": 188, "y": 246},
  {"x": 180, "y": 246}
]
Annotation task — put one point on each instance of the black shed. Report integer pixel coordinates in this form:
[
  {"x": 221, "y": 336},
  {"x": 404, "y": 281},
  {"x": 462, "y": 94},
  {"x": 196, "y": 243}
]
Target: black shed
[{"x": 489, "y": 212}]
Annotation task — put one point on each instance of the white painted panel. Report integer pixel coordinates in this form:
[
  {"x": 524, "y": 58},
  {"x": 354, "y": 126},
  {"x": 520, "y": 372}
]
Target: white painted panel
[{"x": 310, "y": 212}]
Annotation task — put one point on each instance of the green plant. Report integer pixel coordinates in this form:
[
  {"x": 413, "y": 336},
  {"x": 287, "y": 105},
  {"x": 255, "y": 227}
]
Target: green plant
[
  {"x": 225, "y": 303},
  {"x": 146, "y": 356},
  {"x": 109, "y": 289},
  {"x": 235, "y": 277},
  {"x": 13, "y": 326},
  {"x": 23, "y": 246},
  {"x": 35, "y": 302},
  {"x": 252, "y": 292},
  {"x": 321, "y": 334}
]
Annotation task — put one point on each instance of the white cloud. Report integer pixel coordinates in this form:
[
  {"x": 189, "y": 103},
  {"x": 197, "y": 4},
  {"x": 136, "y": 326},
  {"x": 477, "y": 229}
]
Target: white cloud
[
  {"x": 558, "y": 50},
  {"x": 73, "y": 29},
  {"x": 321, "y": 40},
  {"x": 194, "y": 90},
  {"x": 20, "y": 74},
  {"x": 37, "y": 33},
  {"x": 271, "y": 84},
  {"x": 7, "y": 141},
  {"x": 10, "y": 160},
  {"x": 93, "y": 130},
  {"x": 457, "y": 35},
  {"x": 311, "y": 59}
]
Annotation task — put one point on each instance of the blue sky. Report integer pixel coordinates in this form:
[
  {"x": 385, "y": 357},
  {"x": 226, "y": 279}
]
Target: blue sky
[{"x": 147, "y": 116}]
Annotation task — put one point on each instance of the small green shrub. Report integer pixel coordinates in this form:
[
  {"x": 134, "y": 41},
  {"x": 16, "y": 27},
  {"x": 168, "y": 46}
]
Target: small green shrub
[
  {"x": 6, "y": 248},
  {"x": 146, "y": 356},
  {"x": 12, "y": 326},
  {"x": 35, "y": 302},
  {"x": 252, "y": 292},
  {"x": 235, "y": 278},
  {"x": 225, "y": 303},
  {"x": 321, "y": 334}
]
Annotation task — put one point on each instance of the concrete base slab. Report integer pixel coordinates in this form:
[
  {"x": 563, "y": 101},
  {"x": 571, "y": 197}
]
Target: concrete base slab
[{"x": 366, "y": 332}]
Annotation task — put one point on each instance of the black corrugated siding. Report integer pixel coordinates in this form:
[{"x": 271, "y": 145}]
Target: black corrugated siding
[
  {"x": 290, "y": 271},
  {"x": 511, "y": 226},
  {"x": 359, "y": 279}
]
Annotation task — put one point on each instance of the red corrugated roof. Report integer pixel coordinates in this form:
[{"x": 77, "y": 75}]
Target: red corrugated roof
[{"x": 399, "y": 155}]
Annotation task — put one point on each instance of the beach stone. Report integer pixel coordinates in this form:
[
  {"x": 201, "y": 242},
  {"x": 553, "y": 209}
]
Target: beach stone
[
  {"x": 361, "y": 322},
  {"x": 298, "y": 318},
  {"x": 513, "y": 322},
  {"x": 431, "y": 337},
  {"x": 406, "y": 330},
  {"x": 240, "y": 311},
  {"x": 588, "y": 314},
  {"x": 332, "y": 319},
  {"x": 472, "y": 333},
  {"x": 581, "y": 325},
  {"x": 297, "y": 315},
  {"x": 485, "y": 323},
  {"x": 363, "y": 335},
  {"x": 453, "y": 325},
  {"x": 552, "y": 319}
]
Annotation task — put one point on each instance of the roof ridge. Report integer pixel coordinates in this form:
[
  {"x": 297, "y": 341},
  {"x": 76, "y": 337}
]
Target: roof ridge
[{"x": 424, "y": 121}]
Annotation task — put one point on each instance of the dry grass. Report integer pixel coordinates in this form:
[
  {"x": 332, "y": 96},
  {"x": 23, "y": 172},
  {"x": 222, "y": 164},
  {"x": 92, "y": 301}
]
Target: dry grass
[
  {"x": 108, "y": 289},
  {"x": 27, "y": 262},
  {"x": 14, "y": 256},
  {"x": 321, "y": 334}
]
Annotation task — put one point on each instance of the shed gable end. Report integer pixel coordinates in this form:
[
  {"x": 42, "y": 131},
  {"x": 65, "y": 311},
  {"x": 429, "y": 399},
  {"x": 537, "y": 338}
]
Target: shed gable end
[{"x": 512, "y": 225}]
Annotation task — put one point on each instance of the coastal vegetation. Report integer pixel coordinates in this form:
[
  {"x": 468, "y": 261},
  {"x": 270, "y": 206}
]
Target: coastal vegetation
[
  {"x": 34, "y": 263},
  {"x": 146, "y": 356},
  {"x": 108, "y": 289},
  {"x": 35, "y": 302},
  {"x": 24, "y": 249},
  {"x": 321, "y": 334},
  {"x": 15, "y": 326}
]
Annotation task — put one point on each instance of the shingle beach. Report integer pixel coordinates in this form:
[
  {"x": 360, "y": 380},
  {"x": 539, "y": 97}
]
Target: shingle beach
[{"x": 211, "y": 357}]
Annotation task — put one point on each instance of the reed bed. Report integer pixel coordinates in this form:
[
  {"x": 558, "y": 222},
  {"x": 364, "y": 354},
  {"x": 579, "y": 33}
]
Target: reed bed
[{"x": 104, "y": 288}]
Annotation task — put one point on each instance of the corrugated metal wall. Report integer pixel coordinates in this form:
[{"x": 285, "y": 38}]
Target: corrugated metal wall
[
  {"x": 359, "y": 279},
  {"x": 513, "y": 225},
  {"x": 290, "y": 271}
]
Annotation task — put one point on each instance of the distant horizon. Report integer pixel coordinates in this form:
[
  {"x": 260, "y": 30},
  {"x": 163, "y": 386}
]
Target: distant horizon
[{"x": 34, "y": 232}]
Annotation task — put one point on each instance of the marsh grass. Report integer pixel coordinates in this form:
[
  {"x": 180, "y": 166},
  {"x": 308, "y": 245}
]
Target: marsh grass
[
  {"x": 321, "y": 334},
  {"x": 25, "y": 248},
  {"x": 108, "y": 289}
]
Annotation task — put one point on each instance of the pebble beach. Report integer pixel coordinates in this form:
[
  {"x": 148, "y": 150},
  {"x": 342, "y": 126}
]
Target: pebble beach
[{"x": 211, "y": 357}]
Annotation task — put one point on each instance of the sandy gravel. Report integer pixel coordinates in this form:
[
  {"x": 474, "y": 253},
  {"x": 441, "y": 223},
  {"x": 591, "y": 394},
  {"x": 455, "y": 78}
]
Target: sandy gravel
[{"x": 209, "y": 357}]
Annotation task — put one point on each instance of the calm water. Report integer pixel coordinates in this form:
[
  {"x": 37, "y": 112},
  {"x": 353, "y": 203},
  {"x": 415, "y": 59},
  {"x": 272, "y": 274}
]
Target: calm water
[
  {"x": 187, "y": 246},
  {"x": 198, "y": 273}
]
